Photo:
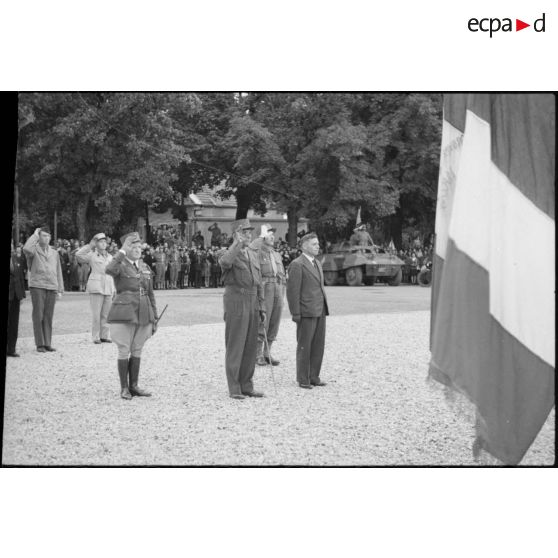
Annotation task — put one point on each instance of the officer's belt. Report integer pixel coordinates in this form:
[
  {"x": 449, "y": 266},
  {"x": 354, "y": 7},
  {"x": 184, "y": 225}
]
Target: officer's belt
[
  {"x": 271, "y": 280},
  {"x": 141, "y": 292},
  {"x": 241, "y": 290}
]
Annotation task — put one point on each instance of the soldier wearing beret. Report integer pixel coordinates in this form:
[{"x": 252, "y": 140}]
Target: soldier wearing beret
[
  {"x": 133, "y": 314},
  {"x": 243, "y": 303},
  {"x": 274, "y": 281}
]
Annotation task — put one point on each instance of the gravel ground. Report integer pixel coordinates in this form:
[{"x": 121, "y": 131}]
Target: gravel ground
[{"x": 377, "y": 409}]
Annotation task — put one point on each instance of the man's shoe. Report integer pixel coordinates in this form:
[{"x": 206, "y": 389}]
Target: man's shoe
[
  {"x": 41, "y": 350},
  {"x": 272, "y": 361},
  {"x": 105, "y": 340},
  {"x": 13, "y": 354},
  {"x": 253, "y": 393},
  {"x": 133, "y": 369},
  {"x": 305, "y": 386},
  {"x": 319, "y": 383},
  {"x": 237, "y": 396},
  {"x": 50, "y": 349},
  {"x": 125, "y": 393},
  {"x": 261, "y": 361},
  {"x": 97, "y": 342}
]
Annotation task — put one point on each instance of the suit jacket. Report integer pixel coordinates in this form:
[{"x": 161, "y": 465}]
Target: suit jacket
[
  {"x": 17, "y": 279},
  {"x": 130, "y": 305},
  {"x": 305, "y": 289}
]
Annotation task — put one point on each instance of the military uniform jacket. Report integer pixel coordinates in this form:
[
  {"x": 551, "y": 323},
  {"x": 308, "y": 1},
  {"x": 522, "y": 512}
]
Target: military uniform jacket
[
  {"x": 98, "y": 282},
  {"x": 241, "y": 271},
  {"x": 134, "y": 302},
  {"x": 265, "y": 254}
]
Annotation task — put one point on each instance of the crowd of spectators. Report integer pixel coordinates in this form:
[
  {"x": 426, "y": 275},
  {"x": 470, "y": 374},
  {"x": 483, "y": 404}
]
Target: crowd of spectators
[{"x": 176, "y": 265}]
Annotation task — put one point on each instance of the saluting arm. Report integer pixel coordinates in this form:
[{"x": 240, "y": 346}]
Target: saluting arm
[
  {"x": 294, "y": 284},
  {"x": 83, "y": 255},
  {"x": 30, "y": 247},
  {"x": 227, "y": 259},
  {"x": 113, "y": 267}
]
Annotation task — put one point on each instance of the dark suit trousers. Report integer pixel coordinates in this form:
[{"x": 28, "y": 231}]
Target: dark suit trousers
[
  {"x": 310, "y": 338},
  {"x": 13, "y": 324},
  {"x": 43, "y": 311},
  {"x": 241, "y": 340}
]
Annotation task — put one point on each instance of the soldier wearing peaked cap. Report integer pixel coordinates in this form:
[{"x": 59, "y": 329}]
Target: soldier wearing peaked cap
[
  {"x": 274, "y": 281},
  {"x": 243, "y": 303},
  {"x": 100, "y": 286},
  {"x": 133, "y": 314}
]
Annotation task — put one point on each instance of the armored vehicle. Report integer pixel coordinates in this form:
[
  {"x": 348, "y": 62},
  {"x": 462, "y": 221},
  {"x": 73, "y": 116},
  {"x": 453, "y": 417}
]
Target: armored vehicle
[{"x": 351, "y": 265}]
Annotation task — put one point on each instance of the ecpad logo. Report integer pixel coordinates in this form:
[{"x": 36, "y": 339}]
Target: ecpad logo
[{"x": 493, "y": 25}]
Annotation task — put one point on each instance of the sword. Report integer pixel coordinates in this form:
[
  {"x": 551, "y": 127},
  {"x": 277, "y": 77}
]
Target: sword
[
  {"x": 269, "y": 358},
  {"x": 161, "y": 314}
]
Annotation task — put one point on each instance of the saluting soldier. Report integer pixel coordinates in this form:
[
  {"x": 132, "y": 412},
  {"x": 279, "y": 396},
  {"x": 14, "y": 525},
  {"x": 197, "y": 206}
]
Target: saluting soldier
[
  {"x": 99, "y": 286},
  {"x": 133, "y": 314},
  {"x": 274, "y": 281},
  {"x": 360, "y": 236},
  {"x": 243, "y": 303}
]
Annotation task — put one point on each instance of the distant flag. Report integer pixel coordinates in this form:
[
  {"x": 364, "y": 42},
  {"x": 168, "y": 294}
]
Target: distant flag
[
  {"x": 391, "y": 245},
  {"x": 492, "y": 324},
  {"x": 358, "y": 219}
]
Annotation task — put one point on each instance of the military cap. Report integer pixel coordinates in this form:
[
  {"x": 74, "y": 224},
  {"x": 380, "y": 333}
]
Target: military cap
[
  {"x": 99, "y": 236},
  {"x": 243, "y": 224},
  {"x": 45, "y": 229},
  {"x": 265, "y": 229},
  {"x": 134, "y": 234}
]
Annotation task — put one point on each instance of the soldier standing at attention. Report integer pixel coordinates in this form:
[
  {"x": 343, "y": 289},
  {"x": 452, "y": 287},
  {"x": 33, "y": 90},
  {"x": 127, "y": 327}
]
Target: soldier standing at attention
[
  {"x": 274, "y": 281},
  {"x": 243, "y": 303},
  {"x": 133, "y": 314}
]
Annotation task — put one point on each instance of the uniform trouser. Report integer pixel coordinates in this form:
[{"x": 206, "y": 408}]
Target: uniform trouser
[
  {"x": 310, "y": 338},
  {"x": 13, "y": 324},
  {"x": 100, "y": 306},
  {"x": 43, "y": 311},
  {"x": 241, "y": 338},
  {"x": 130, "y": 338},
  {"x": 273, "y": 293}
]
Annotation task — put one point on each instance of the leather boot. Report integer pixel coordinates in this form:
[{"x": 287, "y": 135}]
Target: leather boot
[
  {"x": 134, "y": 367},
  {"x": 123, "y": 373},
  {"x": 269, "y": 358},
  {"x": 260, "y": 359}
]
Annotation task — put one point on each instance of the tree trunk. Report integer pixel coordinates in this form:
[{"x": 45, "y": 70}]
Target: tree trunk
[
  {"x": 147, "y": 227},
  {"x": 292, "y": 218},
  {"x": 81, "y": 218},
  {"x": 242, "y": 204}
]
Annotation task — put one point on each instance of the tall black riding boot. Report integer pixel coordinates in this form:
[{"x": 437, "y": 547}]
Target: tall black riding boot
[
  {"x": 134, "y": 367},
  {"x": 123, "y": 373}
]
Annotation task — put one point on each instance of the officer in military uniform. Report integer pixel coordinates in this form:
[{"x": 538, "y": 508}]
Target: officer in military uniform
[
  {"x": 243, "y": 303},
  {"x": 360, "y": 236},
  {"x": 274, "y": 281},
  {"x": 133, "y": 314}
]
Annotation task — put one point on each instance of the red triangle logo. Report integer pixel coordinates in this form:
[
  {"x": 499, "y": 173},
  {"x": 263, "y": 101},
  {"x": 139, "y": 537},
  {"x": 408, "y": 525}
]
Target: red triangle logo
[{"x": 519, "y": 25}]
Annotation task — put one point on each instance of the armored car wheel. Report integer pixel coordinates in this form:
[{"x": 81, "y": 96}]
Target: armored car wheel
[
  {"x": 396, "y": 279},
  {"x": 353, "y": 276},
  {"x": 424, "y": 278},
  {"x": 330, "y": 278}
]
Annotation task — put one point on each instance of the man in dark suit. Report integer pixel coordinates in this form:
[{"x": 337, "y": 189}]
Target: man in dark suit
[
  {"x": 308, "y": 305},
  {"x": 17, "y": 293}
]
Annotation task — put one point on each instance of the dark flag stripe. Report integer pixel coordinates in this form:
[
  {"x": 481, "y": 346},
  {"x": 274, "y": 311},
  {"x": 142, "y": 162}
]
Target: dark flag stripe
[{"x": 512, "y": 388}]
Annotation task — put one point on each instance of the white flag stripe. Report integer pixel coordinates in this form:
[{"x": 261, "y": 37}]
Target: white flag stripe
[
  {"x": 505, "y": 233},
  {"x": 452, "y": 141}
]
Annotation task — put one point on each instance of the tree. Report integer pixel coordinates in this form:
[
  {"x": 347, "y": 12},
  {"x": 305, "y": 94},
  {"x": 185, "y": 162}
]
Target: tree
[{"x": 89, "y": 154}]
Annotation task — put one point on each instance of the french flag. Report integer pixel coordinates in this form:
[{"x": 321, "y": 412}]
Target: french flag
[{"x": 493, "y": 300}]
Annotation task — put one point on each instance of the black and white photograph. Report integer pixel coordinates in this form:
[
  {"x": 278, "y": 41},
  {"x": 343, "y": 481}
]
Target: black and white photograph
[{"x": 282, "y": 279}]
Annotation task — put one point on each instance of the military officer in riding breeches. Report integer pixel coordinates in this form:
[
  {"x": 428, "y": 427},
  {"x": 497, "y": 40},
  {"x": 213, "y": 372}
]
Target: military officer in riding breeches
[{"x": 133, "y": 314}]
